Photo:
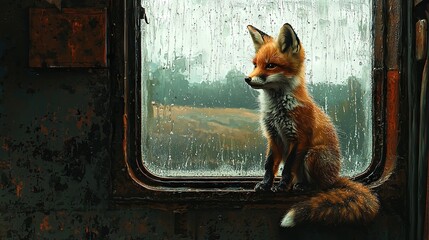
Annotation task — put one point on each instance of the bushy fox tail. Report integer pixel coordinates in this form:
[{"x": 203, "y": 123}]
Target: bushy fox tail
[{"x": 345, "y": 202}]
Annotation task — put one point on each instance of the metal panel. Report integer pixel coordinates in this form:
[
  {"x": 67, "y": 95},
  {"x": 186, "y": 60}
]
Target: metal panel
[{"x": 70, "y": 38}]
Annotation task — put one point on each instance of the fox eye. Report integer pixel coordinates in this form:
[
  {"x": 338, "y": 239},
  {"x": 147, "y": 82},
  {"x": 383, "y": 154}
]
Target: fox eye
[
  {"x": 254, "y": 65},
  {"x": 270, "y": 66}
]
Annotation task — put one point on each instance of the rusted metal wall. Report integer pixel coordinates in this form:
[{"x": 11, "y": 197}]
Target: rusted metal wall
[
  {"x": 60, "y": 147},
  {"x": 54, "y": 137}
]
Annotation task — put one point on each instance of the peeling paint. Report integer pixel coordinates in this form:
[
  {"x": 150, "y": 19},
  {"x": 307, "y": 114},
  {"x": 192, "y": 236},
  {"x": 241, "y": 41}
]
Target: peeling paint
[
  {"x": 19, "y": 185},
  {"x": 5, "y": 145},
  {"x": 86, "y": 119},
  {"x": 44, "y": 129},
  {"x": 44, "y": 225}
]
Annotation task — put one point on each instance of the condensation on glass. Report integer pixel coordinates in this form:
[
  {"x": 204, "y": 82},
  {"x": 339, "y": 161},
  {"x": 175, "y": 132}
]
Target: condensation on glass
[{"x": 199, "y": 118}]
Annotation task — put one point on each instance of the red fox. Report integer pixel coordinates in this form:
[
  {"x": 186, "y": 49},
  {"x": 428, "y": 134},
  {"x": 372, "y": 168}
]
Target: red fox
[{"x": 302, "y": 135}]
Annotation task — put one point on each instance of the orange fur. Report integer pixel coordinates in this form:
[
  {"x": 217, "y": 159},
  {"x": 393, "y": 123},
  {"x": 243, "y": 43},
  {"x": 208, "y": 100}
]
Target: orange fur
[
  {"x": 303, "y": 136},
  {"x": 277, "y": 154}
]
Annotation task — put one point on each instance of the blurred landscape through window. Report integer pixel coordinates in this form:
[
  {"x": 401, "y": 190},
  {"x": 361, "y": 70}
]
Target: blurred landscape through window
[{"x": 199, "y": 118}]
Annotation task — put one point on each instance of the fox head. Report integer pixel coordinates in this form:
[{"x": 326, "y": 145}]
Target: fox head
[{"x": 279, "y": 63}]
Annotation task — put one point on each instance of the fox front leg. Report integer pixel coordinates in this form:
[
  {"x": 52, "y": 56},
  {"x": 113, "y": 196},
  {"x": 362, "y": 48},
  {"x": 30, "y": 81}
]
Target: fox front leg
[
  {"x": 286, "y": 180},
  {"x": 267, "y": 182},
  {"x": 274, "y": 157}
]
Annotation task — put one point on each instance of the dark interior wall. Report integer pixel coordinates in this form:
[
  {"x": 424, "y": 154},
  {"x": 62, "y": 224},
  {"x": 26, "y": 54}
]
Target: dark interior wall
[
  {"x": 55, "y": 136},
  {"x": 57, "y": 129}
]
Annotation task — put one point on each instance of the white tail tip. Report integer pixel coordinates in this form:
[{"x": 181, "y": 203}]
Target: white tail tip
[{"x": 288, "y": 219}]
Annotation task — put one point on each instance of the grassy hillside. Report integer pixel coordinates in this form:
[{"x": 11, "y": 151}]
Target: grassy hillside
[{"x": 205, "y": 141}]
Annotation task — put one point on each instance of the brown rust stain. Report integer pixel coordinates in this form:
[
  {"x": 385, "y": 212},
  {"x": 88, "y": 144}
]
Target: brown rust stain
[
  {"x": 44, "y": 225},
  {"x": 143, "y": 228},
  {"x": 19, "y": 186},
  {"x": 5, "y": 146},
  {"x": 124, "y": 141},
  {"x": 4, "y": 165},
  {"x": 140, "y": 226},
  {"x": 74, "y": 37},
  {"x": 91, "y": 233},
  {"x": 85, "y": 119},
  {"x": 127, "y": 226},
  {"x": 392, "y": 117},
  {"x": 421, "y": 39},
  {"x": 44, "y": 129}
]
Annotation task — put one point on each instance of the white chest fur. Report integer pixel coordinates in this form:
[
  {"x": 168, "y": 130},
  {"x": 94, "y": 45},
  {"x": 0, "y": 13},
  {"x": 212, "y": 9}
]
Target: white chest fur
[{"x": 276, "y": 120}]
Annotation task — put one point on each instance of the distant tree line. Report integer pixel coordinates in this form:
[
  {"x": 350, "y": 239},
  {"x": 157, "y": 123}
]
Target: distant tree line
[{"x": 172, "y": 87}]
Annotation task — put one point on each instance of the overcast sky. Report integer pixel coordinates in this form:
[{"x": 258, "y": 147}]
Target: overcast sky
[{"x": 213, "y": 37}]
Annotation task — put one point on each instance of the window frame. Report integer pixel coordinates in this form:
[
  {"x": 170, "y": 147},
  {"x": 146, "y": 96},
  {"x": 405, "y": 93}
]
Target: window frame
[{"x": 385, "y": 94}]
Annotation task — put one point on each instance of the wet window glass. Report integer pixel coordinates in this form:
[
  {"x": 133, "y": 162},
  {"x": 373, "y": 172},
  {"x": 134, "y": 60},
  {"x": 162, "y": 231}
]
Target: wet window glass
[{"x": 200, "y": 118}]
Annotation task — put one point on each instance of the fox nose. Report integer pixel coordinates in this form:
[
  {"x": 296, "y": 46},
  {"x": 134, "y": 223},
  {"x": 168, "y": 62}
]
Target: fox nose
[{"x": 248, "y": 79}]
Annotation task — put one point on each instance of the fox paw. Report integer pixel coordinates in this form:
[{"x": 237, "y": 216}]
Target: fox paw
[
  {"x": 281, "y": 187},
  {"x": 300, "y": 187},
  {"x": 262, "y": 187}
]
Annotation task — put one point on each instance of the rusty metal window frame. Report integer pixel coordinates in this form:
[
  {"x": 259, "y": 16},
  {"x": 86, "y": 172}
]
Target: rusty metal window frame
[{"x": 386, "y": 77}]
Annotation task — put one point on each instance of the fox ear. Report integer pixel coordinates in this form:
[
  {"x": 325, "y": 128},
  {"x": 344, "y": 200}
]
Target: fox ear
[
  {"x": 258, "y": 37},
  {"x": 288, "y": 40}
]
